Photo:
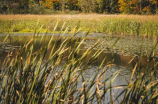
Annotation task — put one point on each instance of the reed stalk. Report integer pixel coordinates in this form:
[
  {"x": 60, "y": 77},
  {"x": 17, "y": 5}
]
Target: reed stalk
[{"x": 26, "y": 77}]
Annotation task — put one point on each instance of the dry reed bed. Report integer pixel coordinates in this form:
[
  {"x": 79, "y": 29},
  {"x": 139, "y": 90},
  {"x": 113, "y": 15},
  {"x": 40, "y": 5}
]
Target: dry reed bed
[
  {"x": 140, "y": 25},
  {"x": 81, "y": 17},
  {"x": 26, "y": 79}
]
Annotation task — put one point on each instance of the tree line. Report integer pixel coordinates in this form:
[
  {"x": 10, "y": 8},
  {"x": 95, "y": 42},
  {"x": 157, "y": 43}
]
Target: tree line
[{"x": 87, "y": 6}]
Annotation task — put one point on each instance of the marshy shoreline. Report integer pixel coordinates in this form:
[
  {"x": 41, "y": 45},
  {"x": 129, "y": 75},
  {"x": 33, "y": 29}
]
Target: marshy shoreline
[
  {"x": 138, "y": 25},
  {"x": 29, "y": 75}
]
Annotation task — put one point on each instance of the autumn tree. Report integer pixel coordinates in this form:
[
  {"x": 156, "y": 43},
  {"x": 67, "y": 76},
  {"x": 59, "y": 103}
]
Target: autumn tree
[
  {"x": 128, "y": 6},
  {"x": 153, "y": 5},
  {"x": 87, "y": 6},
  {"x": 124, "y": 6},
  {"x": 72, "y": 5},
  {"x": 114, "y": 7}
]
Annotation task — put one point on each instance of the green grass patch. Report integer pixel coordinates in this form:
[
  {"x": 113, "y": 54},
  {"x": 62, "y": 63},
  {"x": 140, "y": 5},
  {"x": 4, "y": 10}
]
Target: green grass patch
[{"x": 108, "y": 26}]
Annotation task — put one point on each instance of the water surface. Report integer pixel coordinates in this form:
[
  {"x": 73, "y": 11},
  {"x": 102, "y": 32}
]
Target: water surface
[{"x": 117, "y": 56}]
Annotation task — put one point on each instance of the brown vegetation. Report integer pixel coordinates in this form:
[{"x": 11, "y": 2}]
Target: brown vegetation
[{"x": 80, "y": 17}]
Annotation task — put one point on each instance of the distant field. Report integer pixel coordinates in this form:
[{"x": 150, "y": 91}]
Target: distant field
[
  {"x": 140, "y": 25},
  {"x": 81, "y": 16}
]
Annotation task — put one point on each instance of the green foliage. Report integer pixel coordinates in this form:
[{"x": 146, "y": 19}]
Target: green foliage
[
  {"x": 130, "y": 27},
  {"x": 85, "y": 6},
  {"x": 26, "y": 77},
  {"x": 109, "y": 26}
]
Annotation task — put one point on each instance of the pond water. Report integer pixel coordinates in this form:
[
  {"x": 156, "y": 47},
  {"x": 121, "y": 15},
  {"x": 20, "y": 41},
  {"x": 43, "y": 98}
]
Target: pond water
[{"x": 123, "y": 51}]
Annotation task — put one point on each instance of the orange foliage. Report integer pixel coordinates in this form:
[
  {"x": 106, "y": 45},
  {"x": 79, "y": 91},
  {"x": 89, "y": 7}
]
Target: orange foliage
[
  {"x": 122, "y": 4},
  {"x": 147, "y": 8}
]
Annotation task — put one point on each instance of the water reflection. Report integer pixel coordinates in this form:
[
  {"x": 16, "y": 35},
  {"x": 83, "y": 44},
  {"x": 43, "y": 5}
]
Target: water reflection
[
  {"x": 117, "y": 59},
  {"x": 120, "y": 62}
]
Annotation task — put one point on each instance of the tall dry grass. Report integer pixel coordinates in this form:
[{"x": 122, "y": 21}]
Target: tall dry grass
[
  {"x": 27, "y": 78},
  {"x": 81, "y": 17},
  {"x": 139, "y": 25}
]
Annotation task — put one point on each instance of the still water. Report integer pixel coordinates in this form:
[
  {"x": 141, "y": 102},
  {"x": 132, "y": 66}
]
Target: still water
[{"x": 118, "y": 61}]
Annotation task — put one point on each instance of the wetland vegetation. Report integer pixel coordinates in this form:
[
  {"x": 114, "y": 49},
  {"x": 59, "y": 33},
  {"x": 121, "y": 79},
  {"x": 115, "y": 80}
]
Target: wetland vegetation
[
  {"x": 107, "y": 24},
  {"x": 107, "y": 57},
  {"x": 52, "y": 69}
]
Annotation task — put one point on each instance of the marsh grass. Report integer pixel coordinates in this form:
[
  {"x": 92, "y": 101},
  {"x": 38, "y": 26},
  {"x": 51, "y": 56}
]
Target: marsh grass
[
  {"x": 26, "y": 78},
  {"x": 131, "y": 27},
  {"x": 109, "y": 24},
  {"x": 142, "y": 88}
]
